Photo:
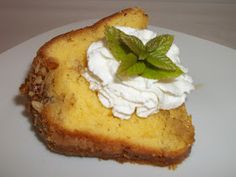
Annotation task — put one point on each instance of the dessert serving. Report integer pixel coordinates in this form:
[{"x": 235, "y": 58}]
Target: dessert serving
[{"x": 112, "y": 90}]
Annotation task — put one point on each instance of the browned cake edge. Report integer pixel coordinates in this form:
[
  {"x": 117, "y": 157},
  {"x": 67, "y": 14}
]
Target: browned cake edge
[
  {"x": 89, "y": 145},
  {"x": 79, "y": 143}
]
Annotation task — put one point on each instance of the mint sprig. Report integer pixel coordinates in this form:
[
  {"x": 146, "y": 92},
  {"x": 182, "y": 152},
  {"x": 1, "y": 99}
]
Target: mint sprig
[
  {"x": 160, "y": 43},
  {"x": 149, "y": 61},
  {"x": 115, "y": 45},
  {"x": 162, "y": 62},
  {"x": 134, "y": 44},
  {"x": 130, "y": 60},
  {"x": 151, "y": 72}
]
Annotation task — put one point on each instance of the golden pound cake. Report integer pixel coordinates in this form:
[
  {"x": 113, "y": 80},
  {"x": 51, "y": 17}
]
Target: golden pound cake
[{"x": 71, "y": 120}]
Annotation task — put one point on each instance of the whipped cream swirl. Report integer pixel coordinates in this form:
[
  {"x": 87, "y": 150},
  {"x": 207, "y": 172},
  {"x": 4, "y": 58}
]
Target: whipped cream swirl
[{"x": 137, "y": 94}]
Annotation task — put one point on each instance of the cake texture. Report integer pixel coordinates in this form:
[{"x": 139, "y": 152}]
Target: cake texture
[{"x": 70, "y": 119}]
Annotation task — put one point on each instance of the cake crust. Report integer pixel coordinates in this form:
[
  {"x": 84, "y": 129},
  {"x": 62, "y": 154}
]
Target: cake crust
[
  {"x": 80, "y": 143},
  {"x": 83, "y": 144}
]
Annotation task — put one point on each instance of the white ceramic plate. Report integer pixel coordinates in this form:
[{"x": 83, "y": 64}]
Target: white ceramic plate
[{"x": 213, "y": 107}]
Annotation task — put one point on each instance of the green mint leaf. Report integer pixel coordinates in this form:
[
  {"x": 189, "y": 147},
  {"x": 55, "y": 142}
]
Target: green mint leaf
[
  {"x": 130, "y": 66},
  {"x": 118, "y": 50},
  {"x": 151, "y": 72},
  {"x": 135, "y": 69},
  {"x": 160, "y": 44},
  {"x": 130, "y": 60},
  {"x": 149, "y": 61},
  {"x": 135, "y": 45},
  {"x": 152, "y": 44},
  {"x": 162, "y": 62}
]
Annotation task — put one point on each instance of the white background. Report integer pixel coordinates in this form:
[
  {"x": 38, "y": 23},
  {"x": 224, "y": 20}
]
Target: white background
[{"x": 213, "y": 20}]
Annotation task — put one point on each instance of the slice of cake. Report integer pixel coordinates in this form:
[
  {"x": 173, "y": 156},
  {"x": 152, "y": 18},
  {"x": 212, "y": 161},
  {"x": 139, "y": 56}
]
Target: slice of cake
[{"x": 72, "y": 120}]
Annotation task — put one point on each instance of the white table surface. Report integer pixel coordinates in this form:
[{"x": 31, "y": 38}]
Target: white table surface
[{"x": 213, "y": 20}]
